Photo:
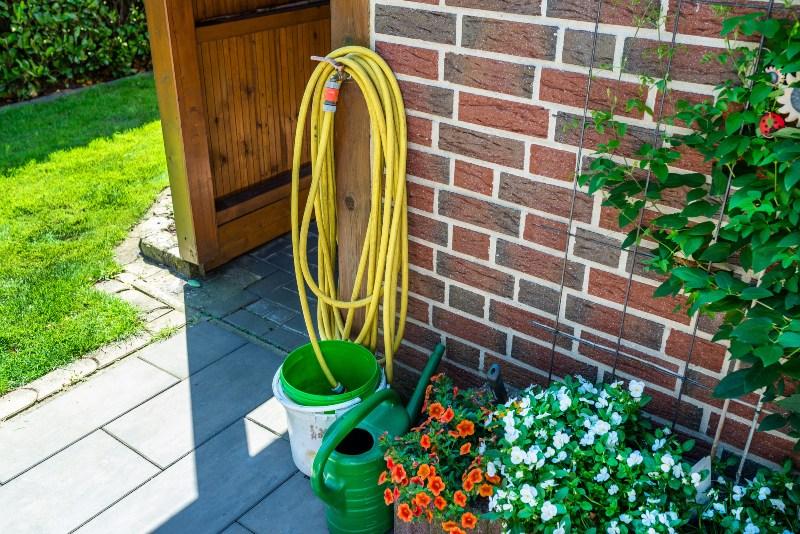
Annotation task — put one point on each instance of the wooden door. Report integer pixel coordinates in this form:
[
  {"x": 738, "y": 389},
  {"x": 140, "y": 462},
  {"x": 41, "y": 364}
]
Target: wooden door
[{"x": 230, "y": 75}]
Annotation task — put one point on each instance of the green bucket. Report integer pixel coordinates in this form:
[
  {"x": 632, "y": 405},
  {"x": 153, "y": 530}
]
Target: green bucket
[{"x": 353, "y": 365}]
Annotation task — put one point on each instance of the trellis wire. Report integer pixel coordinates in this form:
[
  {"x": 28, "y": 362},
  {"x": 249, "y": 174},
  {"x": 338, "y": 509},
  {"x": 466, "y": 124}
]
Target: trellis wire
[{"x": 617, "y": 351}]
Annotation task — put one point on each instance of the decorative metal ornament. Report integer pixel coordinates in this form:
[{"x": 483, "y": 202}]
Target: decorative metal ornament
[
  {"x": 775, "y": 75},
  {"x": 790, "y": 99},
  {"x": 770, "y": 123}
]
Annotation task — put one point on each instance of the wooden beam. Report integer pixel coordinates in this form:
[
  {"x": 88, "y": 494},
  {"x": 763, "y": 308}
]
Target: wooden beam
[
  {"x": 180, "y": 101},
  {"x": 350, "y": 26}
]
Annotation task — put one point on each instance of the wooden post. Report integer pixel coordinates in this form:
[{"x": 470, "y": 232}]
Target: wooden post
[
  {"x": 180, "y": 101},
  {"x": 350, "y": 26}
]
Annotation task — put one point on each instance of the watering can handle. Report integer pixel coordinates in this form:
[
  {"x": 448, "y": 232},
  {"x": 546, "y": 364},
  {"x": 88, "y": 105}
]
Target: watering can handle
[{"x": 330, "y": 493}]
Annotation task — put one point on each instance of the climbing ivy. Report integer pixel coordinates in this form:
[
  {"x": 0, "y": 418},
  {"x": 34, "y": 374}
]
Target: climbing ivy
[{"x": 745, "y": 265}]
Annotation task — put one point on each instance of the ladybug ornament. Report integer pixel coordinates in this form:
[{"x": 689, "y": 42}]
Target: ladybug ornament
[{"x": 770, "y": 123}]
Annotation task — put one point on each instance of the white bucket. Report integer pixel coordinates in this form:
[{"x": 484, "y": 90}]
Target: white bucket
[{"x": 307, "y": 424}]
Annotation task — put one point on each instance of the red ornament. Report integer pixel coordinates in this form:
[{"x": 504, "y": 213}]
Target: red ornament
[{"x": 770, "y": 123}]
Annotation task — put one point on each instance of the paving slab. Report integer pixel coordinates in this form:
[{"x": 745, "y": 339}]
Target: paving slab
[
  {"x": 72, "y": 486},
  {"x": 207, "y": 490},
  {"x": 250, "y": 322},
  {"x": 271, "y": 311},
  {"x": 181, "y": 418},
  {"x": 285, "y": 339},
  {"x": 32, "y": 436},
  {"x": 271, "y": 415},
  {"x": 192, "y": 349},
  {"x": 236, "y": 528},
  {"x": 291, "y": 509}
]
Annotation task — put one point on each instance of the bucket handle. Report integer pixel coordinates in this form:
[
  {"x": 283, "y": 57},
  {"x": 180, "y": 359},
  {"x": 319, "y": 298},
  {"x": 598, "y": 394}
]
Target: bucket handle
[{"x": 331, "y": 493}]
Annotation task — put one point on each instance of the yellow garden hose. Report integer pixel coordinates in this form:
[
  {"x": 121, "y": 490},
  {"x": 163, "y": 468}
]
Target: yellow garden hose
[{"x": 384, "y": 253}]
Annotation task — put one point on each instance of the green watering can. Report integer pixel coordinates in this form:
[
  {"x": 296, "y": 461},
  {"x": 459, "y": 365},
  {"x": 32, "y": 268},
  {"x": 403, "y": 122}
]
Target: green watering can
[{"x": 347, "y": 465}]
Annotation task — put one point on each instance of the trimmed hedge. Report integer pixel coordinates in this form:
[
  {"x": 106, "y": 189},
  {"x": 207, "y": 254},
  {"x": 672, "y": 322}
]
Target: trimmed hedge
[{"x": 53, "y": 44}]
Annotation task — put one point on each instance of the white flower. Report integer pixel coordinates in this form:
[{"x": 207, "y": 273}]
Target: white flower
[
  {"x": 549, "y": 451},
  {"x": 549, "y": 511},
  {"x": 511, "y": 434},
  {"x": 677, "y": 471},
  {"x": 778, "y": 504},
  {"x": 527, "y": 494},
  {"x": 587, "y": 439},
  {"x": 666, "y": 431},
  {"x": 517, "y": 455},
  {"x": 613, "y": 528},
  {"x": 559, "y": 529},
  {"x": 667, "y": 461},
  {"x": 602, "y": 476},
  {"x": 613, "y": 489},
  {"x": 737, "y": 512},
  {"x": 616, "y": 419},
  {"x": 631, "y": 495},
  {"x": 560, "y": 439},
  {"x": 561, "y": 457},
  {"x": 482, "y": 448},
  {"x": 657, "y": 444},
  {"x": 613, "y": 439},
  {"x": 491, "y": 470},
  {"x": 601, "y": 428},
  {"x": 636, "y": 389},
  {"x": 763, "y": 493},
  {"x": 548, "y": 483},
  {"x": 564, "y": 402},
  {"x": 533, "y": 455},
  {"x": 738, "y": 493},
  {"x": 528, "y": 421},
  {"x": 635, "y": 458},
  {"x": 625, "y": 518},
  {"x": 719, "y": 507},
  {"x": 750, "y": 528},
  {"x": 649, "y": 518},
  {"x": 696, "y": 479}
]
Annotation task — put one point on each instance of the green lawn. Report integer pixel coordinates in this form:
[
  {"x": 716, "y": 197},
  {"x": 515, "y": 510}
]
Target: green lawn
[{"x": 76, "y": 173}]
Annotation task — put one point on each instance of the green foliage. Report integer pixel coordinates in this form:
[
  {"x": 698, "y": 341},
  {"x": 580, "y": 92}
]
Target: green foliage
[
  {"x": 83, "y": 170},
  {"x": 745, "y": 266},
  {"x": 48, "y": 44}
]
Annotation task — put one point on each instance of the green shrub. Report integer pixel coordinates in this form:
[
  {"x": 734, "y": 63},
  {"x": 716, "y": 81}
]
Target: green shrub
[{"x": 47, "y": 44}]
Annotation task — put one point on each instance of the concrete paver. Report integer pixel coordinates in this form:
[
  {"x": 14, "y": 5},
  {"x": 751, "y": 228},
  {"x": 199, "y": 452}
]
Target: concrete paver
[{"x": 291, "y": 509}]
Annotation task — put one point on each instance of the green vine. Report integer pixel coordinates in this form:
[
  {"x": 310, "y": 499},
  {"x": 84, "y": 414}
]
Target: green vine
[{"x": 744, "y": 265}]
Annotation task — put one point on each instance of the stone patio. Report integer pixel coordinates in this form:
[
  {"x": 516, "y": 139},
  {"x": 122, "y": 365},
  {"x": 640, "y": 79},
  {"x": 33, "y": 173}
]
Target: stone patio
[{"x": 181, "y": 434}]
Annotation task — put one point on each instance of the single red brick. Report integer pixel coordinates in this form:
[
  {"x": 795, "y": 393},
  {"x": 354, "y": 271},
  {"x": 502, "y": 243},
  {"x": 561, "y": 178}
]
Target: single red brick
[
  {"x": 545, "y": 232},
  {"x": 507, "y": 37},
  {"x": 569, "y": 88},
  {"x": 489, "y": 215},
  {"x": 609, "y": 219},
  {"x": 489, "y": 74},
  {"x": 546, "y": 197},
  {"x": 476, "y": 332},
  {"x": 553, "y": 163},
  {"x": 593, "y": 315},
  {"x": 431, "y": 167},
  {"x": 686, "y": 63},
  {"x": 520, "y": 7},
  {"x": 543, "y": 357},
  {"x": 427, "y": 98},
  {"x": 704, "y": 353},
  {"x": 528, "y": 323},
  {"x": 502, "y": 114},
  {"x": 470, "y": 242},
  {"x": 414, "y": 358},
  {"x": 483, "y": 146},
  {"x": 673, "y": 97},
  {"x": 418, "y": 309},
  {"x": 705, "y": 20},
  {"x": 466, "y": 301},
  {"x": 426, "y": 286},
  {"x": 426, "y": 228},
  {"x": 473, "y": 177},
  {"x": 410, "y": 60},
  {"x": 475, "y": 275},
  {"x": 419, "y": 130},
  {"x": 462, "y": 353},
  {"x": 421, "y": 336},
  {"x": 420, "y": 255},
  {"x": 613, "y": 287},
  {"x": 539, "y": 264},
  {"x": 420, "y": 196},
  {"x": 619, "y": 13}
]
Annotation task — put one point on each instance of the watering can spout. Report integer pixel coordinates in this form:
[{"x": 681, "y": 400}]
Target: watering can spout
[{"x": 415, "y": 402}]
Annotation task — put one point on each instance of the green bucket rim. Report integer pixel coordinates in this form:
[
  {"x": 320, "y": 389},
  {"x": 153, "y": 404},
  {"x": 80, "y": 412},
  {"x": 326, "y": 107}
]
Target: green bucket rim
[{"x": 304, "y": 356}]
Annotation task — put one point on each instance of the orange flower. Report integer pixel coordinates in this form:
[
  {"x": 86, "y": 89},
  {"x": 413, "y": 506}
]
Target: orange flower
[
  {"x": 456, "y": 531},
  {"x": 417, "y": 480},
  {"x": 465, "y": 448},
  {"x": 404, "y": 512},
  {"x": 493, "y": 480},
  {"x": 389, "y": 463},
  {"x": 460, "y": 499},
  {"x": 436, "y": 410},
  {"x": 454, "y": 433},
  {"x": 382, "y": 478},
  {"x": 447, "y": 416},
  {"x": 398, "y": 473},
  {"x": 447, "y": 526},
  {"x": 388, "y": 496},
  {"x": 425, "y": 441},
  {"x": 422, "y": 499},
  {"x": 465, "y": 428},
  {"x": 439, "y": 502},
  {"x": 468, "y": 520},
  {"x": 485, "y": 490},
  {"x": 475, "y": 475},
  {"x": 435, "y": 484},
  {"x": 424, "y": 471},
  {"x": 468, "y": 485}
]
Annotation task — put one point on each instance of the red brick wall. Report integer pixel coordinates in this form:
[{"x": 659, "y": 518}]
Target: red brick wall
[{"x": 493, "y": 89}]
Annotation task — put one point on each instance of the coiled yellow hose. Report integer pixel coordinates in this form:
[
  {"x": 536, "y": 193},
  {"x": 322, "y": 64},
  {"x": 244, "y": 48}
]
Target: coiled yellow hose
[{"x": 384, "y": 254}]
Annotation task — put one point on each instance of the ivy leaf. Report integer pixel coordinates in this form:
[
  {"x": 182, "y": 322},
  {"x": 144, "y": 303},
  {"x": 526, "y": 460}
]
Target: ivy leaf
[
  {"x": 716, "y": 252},
  {"x": 769, "y": 354},
  {"x": 773, "y": 421},
  {"x": 791, "y": 403},
  {"x": 692, "y": 277},
  {"x": 754, "y": 331},
  {"x": 755, "y": 293},
  {"x": 789, "y": 340},
  {"x": 792, "y": 176},
  {"x": 707, "y": 297},
  {"x": 733, "y": 385},
  {"x": 760, "y": 93}
]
